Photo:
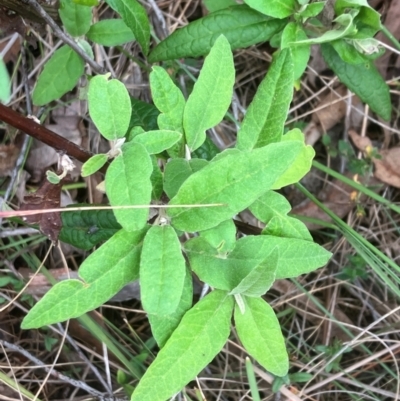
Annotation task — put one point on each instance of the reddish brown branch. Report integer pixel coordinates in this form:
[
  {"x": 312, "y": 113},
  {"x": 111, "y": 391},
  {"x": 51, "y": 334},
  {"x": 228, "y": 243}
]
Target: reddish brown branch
[{"x": 42, "y": 134}]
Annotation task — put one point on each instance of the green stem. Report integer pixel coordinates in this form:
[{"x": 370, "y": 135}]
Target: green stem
[{"x": 390, "y": 36}]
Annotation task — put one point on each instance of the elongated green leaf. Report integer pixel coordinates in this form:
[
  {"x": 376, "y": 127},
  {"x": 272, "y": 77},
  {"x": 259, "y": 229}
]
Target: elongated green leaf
[
  {"x": 162, "y": 271},
  {"x": 110, "y": 32},
  {"x": 177, "y": 171},
  {"x": 232, "y": 272},
  {"x": 212, "y": 94},
  {"x": 162, "y": 327},
  {"x": 109, "y": 106},
  {"x": 135, "y": 17},
  {"x": 225, "y": 272},
  {"x": 215, "y": 5},
  {"x": 366, "y": 16},
  {"x": 241, "y": 25},
  {"x": 54, "y": 81},
  {"x": 260, "y": 332},
  {"x": 87, "y": 3},
  {"x": 104, "y": 273},
  {"x": 5, "y": 86},
  {"x": 347, "y": 28},
  {"x": 76, "y": 18},
  {"x": 87, "y": 228},
  {"x": 207, "y": 151},
  {"x": 296, "y": 256},
  {"x": 200, "y": 335},
  {"x": 158, "y": 141},
  {"x": 348, "y": 53},
  {"x": 260, "y": 279},
  {"x": 156, "y": 179},
  {"x": 312, "y": 9},
  {"x": 169, "y": 100},
  {"x": 94, "y": 164},
  {"x": 266, "y": 115},
  {"x": 293, "y": 32},
  {"x": 272, "y": 208},
  {"x": 375, "y": 94},
  {"x": 273, "y": 8},
  {"x": 235, "y": 181},
  {"x": 301, "y": 166},
  {"x": 128, "y": 183},
  {"x": 144, "y": 115}
]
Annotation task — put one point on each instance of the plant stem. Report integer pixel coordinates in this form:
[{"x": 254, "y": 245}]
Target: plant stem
[
  {"x": 27, "y": 125},
  {"x": 67, "y": 39},
  {"x": 390, "y": 36}
]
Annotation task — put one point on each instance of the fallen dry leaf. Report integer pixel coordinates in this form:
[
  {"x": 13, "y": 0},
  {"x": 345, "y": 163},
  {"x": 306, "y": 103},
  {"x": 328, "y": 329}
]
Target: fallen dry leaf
[
  {"x": 330, "y": 111},
  {"x": 8, "y": 157},
  {"x": 387, "y": 169},
  {"x": 46, "y": 197}
]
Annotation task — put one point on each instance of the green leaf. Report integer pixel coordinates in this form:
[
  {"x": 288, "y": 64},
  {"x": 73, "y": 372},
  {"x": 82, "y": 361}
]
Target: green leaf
[
  {"x": 158, "y": 141},
  {"x": 110, "y": 32},
  {"x": 366, "y": 15},
  {"x": 300, "y": 54},
  {"x": 272, "y": 209},
  {"x": 87, "y": 228},
  {"x": 168, "y": 98},
  {"x": 156, "y": 179},
  {"x": 87, "y": 3},
  {"x": 273, "y": 8},
  {"x": 76, "y": 18},
  {"x": 54, "y": 81},
  {"x": 170, "y": 101},
  {"x": 267, "y": 113},
  {"x": 5, "y": 85},
  {"x": 207, "y": 151},
  {"x": 143, "y": 115},
  {"x": 234, "y": 181},
  {"x": 109, "y": 106},
  {"x": 215, "y": 5},
  {"x": 103, "y": 274},
  {"x": 375, "y": 94},
  {"x": 84, "y": 45},
  {"x": 312, "y": 9},
  {"x": 94, "y": 164},
  {"x": 347, "y": 28},
  {"x": 52, "y": 177},
  {"x": 296, "y": 256},
  {"x": 135, "y": 17},
  {"x": 225, "y": 272},
  {"x": 162, "y": 327},
  {"x": 241, "y": 25},
  {"x": 221, "y": 237},
  {"x": 260, "y": 333},
  {"x": 177, "y": 171},
  {"x": 199, "y": 337},
  {"x": 128, "y": 183},
  {"x": 260, "y": 279},
  {"x": 212, "y": 94},
  {"x": 301, "y": 166},
  {"x": 162, "y": 271},
  {"x": 348, "y": 53},
  {"x": 233, "y": 272}
]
